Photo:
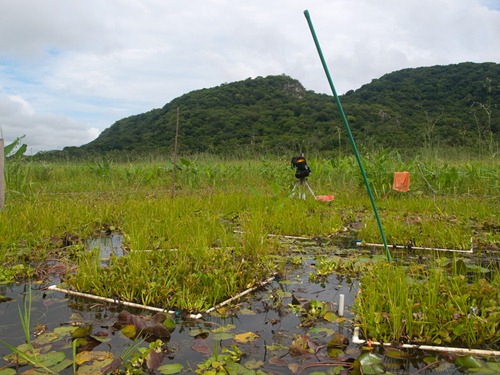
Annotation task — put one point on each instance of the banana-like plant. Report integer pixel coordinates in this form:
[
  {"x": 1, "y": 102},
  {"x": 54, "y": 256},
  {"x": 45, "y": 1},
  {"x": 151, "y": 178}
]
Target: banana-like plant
[{"x": 16, "y": 149}]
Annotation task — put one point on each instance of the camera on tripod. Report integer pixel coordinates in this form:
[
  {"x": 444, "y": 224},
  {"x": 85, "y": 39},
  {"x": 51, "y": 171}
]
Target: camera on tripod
[{"x": 302, "y": 170}]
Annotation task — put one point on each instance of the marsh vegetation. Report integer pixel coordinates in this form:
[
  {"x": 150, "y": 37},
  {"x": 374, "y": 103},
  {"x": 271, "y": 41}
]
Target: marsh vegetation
[{"x": 222, "y": 233}]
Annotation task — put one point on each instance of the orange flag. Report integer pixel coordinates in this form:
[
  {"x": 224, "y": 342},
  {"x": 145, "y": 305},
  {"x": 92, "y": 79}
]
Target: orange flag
[{"x": 401, "y": 181}]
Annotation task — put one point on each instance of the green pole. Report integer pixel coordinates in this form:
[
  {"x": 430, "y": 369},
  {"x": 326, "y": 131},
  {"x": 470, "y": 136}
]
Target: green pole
[{"x": 346, "y": 124}]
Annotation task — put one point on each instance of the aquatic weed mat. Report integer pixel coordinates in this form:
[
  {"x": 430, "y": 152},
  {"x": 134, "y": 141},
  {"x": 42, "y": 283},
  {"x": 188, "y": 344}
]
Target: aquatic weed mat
[
  {"x": 277, "y": 329},
  {"x": 192, "y": 277},
  {"x": 291, "y": 325},
  {"x": 434, "y": 300}
]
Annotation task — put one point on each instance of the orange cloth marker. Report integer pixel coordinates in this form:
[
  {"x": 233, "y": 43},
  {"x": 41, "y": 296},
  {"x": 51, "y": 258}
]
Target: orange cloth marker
[{"x": 401, "y": 181}]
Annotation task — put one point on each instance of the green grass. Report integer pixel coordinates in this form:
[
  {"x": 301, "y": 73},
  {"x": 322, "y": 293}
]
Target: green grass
[
  {"x": 442, "y": 304},
  {"x": 211, "y": 240}
]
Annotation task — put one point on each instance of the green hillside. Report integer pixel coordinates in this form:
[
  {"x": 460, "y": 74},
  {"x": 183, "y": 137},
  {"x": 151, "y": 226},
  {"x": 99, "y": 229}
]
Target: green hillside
[
  {"x": 440, "y": 105},
  {"x": 434, "y": 106}
]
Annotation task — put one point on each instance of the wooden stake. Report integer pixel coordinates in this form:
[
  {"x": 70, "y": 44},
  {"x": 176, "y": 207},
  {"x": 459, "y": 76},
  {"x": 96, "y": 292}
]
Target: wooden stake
[
  {"x": 2, "y": 176},
  {"x": 175, "y": 153}
]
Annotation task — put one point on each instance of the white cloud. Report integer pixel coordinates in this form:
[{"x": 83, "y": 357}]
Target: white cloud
[
  {"x": 41, "y": 131},
  {"x": 81, "y": 66}
]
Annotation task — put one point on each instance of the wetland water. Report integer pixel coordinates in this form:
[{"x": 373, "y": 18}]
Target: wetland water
[{"x": 268, "y": 313}]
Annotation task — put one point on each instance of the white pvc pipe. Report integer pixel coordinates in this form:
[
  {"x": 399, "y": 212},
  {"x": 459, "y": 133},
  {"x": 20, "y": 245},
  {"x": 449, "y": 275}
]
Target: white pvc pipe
[
  {"x": 116, "y": 302},
  {"x": 157, "y": 309},
  {"x": 359, "y": 243},
  {"x": 279, "y": 235},
  {"x": 341, "y": 305},
  {"x": 290, "y": 237},
  {"x": 262, "y": 283},
  {"x": 480, "y": 352}
]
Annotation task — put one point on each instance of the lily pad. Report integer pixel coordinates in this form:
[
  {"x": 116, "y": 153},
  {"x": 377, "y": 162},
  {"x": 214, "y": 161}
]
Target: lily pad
[
  {"x": 245, "y": 311},
  {"x": 93, "y": 356},
  {"x": 371, "y": 364},
  {"x": 469, "y": 362},
  {"x": 24, "y": 349},
  {"x": 322, "y": 330},
  {"x": 129, "y": 331},
  {"x": 223, "y": 336},
  {"x": 82, "y": 331},
  {"x": 253, "y": 364},
  {"x": 51, "y": 358},
  {"x": 338, "y": 341},
  {"x": 276, "y": 347},
  {"x": 330, "y": 317},
  {"x": 334, "y": 352},
  {"x": 396, "y": 353},
  {"x": 201, "y": 346},
  {"x": 246, "y": 337},
  {"x": 47, "y": 338},
  {"x": 198, "y": 332},
  {"x": 225, "y": 328},
  {"x": 8, "y": 371},
  {"x": 169, "y": 324},
  {"x": 93, "y": 368},
  {"x": 171, "y": 368},
  {"x": 65, "y": 363}
]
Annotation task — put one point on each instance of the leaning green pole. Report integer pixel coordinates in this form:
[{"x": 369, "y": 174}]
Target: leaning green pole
[{"x": 344, "y": 119}]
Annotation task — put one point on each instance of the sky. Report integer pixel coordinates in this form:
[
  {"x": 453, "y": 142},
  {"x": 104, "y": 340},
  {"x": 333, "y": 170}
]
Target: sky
[{"x": 70, "y": 69}]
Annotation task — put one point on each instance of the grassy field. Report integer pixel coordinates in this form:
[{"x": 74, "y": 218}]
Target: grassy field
[{"x": 211, "y": 240}]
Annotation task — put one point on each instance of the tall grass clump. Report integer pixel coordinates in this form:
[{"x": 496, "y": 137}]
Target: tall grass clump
[
  {"x": 19, "y": 177},
  {"x": 443, "y": 304}
]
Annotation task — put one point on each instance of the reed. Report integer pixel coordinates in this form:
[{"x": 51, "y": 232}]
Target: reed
[{"x": 27, "y": 352}]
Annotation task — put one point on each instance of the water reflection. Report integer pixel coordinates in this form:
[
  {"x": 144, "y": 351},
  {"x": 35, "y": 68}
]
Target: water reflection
[{"x": 108, "y": 245}]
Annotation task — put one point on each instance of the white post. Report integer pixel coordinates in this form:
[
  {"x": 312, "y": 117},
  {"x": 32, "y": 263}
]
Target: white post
[
  {"x": 2, "y": 176},
  {"x": 341, "y": 305}
]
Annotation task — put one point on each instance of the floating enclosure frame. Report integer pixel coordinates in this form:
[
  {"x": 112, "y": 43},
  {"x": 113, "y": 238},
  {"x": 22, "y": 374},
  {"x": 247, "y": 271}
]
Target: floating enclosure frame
[
  {"x": 367, "y": 244},
  {"x": 481, "y": 352},
  {"x": 260, "y": 284}
]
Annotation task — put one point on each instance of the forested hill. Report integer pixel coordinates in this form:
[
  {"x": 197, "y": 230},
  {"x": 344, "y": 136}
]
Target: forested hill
[{"x": 439, "y": 105}]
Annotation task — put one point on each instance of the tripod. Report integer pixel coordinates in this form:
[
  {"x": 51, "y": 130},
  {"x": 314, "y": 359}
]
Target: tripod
[{"x": 300, "y": 185}]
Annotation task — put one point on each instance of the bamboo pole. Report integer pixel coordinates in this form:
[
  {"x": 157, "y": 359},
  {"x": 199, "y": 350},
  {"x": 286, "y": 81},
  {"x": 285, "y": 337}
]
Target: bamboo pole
[{"x": 2, "y": 175}]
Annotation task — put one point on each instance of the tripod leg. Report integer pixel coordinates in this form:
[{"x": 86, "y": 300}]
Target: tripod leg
[
  {"x": 294, "y": 189},
  {"x": 302, "y": 193},
  {"x": 310, "y": 190}
]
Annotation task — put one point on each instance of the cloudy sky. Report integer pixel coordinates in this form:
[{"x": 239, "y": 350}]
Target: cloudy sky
[{"x": 69, "y": 69}]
